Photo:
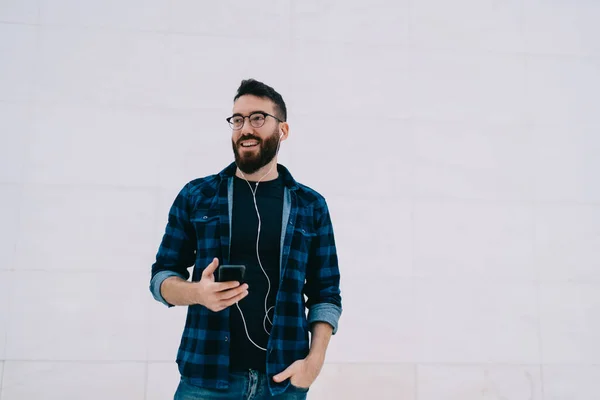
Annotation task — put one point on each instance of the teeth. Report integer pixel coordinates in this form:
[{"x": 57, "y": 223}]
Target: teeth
[{"x": 246, "y": 144}]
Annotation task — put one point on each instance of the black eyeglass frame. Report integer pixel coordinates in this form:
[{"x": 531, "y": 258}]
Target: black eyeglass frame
[{"x": 264, "y": 114}]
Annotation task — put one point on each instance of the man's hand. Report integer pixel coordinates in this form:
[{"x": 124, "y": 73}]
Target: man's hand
[
  {"x": 302, "y": 373},
  {"x": 217, "y": 296}
]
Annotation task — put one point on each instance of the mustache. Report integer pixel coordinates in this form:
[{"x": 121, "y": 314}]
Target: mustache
[{"x": 249, "y": 137}]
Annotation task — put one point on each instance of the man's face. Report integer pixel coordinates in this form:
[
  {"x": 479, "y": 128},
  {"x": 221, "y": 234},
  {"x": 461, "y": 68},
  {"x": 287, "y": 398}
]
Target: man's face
[{"x": 254, "y": 147}]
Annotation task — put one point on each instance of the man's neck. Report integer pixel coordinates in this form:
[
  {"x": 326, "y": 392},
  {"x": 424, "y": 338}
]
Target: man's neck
[{"x": 267, "y": 173}]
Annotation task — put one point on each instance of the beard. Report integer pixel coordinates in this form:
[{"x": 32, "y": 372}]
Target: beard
[{"x": 250, "y": 162}]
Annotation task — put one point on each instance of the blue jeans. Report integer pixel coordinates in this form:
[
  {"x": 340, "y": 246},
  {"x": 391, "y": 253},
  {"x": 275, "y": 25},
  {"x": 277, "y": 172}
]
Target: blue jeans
[{"x": 251, "y": 385}]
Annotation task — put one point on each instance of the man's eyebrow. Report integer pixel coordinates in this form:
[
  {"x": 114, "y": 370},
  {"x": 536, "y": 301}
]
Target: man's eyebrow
[{"x": 251, "y": 112}]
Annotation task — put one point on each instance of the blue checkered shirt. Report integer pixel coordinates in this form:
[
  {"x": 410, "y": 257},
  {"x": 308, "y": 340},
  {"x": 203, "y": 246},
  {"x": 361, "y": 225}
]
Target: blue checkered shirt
[{"x": 199, "y": 229}]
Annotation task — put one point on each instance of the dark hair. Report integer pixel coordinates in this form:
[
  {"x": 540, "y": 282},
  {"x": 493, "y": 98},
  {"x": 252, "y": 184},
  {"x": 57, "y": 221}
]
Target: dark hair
[{"x": 259, "y": 89}]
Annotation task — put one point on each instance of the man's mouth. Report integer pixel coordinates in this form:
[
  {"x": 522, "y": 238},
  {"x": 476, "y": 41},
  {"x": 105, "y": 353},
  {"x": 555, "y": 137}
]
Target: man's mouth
[{"x": 249, "y": 143}]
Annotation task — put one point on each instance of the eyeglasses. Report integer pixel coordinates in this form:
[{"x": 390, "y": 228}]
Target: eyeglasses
[{"x": 257, "y": 119}]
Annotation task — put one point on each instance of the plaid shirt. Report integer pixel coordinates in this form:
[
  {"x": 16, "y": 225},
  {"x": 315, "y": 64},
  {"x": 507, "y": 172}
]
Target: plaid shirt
[{"x": 199, "y": 229}]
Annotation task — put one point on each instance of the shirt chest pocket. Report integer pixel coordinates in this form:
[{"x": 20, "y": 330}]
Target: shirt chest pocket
[
  {"x": 207, "y": 227},
  {"x": 303, "y": 240}
]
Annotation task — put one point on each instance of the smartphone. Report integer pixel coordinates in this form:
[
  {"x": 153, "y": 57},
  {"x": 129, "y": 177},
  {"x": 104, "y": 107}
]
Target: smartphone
[{"x": 227, "y": 273}]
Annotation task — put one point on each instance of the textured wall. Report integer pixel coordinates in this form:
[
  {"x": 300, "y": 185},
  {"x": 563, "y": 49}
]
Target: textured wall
[{"x": 456, "y": 142}]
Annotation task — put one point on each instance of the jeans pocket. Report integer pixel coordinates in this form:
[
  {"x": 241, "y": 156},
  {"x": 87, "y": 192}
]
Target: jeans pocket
[{"x": 298, "y": 389}]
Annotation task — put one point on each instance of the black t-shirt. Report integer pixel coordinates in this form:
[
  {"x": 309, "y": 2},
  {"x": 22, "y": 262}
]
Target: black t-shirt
[{"x": 269, "y": 198}]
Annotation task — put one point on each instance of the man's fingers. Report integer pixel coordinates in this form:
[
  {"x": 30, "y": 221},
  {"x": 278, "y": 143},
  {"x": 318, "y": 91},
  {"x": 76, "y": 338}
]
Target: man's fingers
[
  {"x": 237, "y": 298},
  {"x": 229, "y": 294},
  {"x": 211, "y": 268},
  {"x": 223, "y": 286},
  {"x": 282, "y": 376}
]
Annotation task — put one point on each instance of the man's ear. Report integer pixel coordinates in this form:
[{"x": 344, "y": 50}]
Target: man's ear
[{"x": 284, "y": 131}]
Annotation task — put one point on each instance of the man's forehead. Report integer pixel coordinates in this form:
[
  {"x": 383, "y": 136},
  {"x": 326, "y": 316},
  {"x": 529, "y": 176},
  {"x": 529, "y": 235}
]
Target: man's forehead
[{"x": 248, "y": 103}]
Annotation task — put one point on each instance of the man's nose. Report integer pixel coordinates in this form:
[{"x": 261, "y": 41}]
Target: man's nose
[{"x": 246, "y": 127}]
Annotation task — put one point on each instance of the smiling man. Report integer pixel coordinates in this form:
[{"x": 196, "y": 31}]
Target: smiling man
[{"x": 250, "y": 339}]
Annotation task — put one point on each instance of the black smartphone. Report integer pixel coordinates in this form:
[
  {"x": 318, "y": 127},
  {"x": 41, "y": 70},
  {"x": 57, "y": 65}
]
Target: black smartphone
[{"x": 227, "y": 273}]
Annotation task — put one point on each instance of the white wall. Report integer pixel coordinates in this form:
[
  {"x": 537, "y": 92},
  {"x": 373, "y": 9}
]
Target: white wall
[{"x": 456, "y": 142}]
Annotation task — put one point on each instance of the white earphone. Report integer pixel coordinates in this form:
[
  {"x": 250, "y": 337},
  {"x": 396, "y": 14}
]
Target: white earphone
[{"x": 253, "y": 190}]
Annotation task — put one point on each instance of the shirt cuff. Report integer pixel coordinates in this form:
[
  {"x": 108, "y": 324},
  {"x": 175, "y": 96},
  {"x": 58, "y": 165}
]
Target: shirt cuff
[
  {"x": 325, "y": 312},
  {"x": 155, "y": 283}
]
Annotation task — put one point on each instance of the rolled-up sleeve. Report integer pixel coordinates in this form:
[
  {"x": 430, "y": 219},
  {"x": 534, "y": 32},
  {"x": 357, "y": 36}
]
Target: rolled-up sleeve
[
  {"x": 155, "y": 283},
  {"x": 325, "y": 312}
]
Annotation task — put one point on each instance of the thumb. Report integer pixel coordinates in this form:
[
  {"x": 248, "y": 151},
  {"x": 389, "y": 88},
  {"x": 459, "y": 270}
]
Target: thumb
[
  {"x": 282, "y": 376},
  {"x": 210, "y": 269}
]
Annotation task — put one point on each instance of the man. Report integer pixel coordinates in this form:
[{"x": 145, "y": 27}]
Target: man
[{"x": 252, "y": 213}]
